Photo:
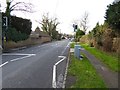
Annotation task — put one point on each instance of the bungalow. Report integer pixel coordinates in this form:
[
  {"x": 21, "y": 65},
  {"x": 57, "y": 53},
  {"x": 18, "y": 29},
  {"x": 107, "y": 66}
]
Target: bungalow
[{"x": 38, "y": 34}]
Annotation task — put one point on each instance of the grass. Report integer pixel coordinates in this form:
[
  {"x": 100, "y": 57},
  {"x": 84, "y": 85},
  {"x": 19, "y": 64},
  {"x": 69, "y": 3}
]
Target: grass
[
  {"x": 110, "y": 60},
  {"x": 72, "y": 45},
  {"x": 85, "y": 73}
]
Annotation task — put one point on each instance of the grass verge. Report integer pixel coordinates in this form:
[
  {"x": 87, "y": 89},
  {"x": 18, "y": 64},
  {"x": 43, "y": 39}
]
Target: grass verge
[
  {"x": 85, "y": 73},
  {"x": 110, "y": 60}
]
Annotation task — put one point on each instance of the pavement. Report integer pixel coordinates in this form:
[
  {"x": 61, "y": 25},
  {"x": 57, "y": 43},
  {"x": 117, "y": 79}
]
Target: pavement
[
  {"x": 110, "y": 78},
  {"x": 32, "y": 67}
]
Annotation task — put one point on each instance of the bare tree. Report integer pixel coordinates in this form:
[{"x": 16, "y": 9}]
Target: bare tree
[
  {"x": 18, "y": 6},
  {"x": 84, "y": 22},
  {"x": 49, "y": 25}
]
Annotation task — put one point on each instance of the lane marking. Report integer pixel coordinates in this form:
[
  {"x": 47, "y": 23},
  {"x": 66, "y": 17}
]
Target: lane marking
[
  {"x": 65, "y": 48},
  {"x": 17, "y": 54},
  {"x": 3, "y": 64},
  {"x": 54, "y": 77},
  {"x": 65, "y": 77},
  {"x": 63, "y": 58},
  {"x": 20, "y": 54},
  {"x": 21, "y": 58},
  {"x": 54, "y": 84}
]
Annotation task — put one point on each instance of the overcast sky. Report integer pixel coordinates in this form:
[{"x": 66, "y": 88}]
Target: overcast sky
[{"x": 66, "y": 11}]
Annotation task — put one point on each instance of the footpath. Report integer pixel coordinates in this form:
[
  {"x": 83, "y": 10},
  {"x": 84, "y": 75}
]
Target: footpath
[{"x": 109, "y": 77}]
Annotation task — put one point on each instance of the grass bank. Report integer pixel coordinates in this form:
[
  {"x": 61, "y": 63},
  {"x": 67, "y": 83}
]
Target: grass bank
[
  {"x": 110, "y": 60},
  {"x": 85, "y": 74}
]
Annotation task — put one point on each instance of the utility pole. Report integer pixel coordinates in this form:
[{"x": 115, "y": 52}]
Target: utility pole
[
  {"x": 0, "y": 32},
  {"x": 5, "y": 22}
]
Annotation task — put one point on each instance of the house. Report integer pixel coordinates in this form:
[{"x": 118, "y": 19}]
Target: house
[{"x": 38, "y": 34}]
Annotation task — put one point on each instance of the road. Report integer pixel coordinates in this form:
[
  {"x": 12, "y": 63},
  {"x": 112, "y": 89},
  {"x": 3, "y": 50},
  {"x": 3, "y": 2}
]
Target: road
[{"x": 33, "y": 67}]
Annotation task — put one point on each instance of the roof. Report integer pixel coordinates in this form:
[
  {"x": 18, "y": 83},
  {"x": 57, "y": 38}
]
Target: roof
[{"x": 38, "y": 33}]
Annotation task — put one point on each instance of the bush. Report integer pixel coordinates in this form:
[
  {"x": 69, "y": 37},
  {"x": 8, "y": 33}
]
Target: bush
[
  {"x": 108, "y": 40},
  {"x": 14, "y": 35}
]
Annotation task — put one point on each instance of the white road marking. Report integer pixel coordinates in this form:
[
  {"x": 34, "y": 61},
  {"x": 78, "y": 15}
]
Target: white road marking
[
  {"x": 22, "y": 57},
  {"x": 63, "y": 58},
  {"x": 3, "y": 64},
  {"x": 54, "y": 71},
  {"x": 54, "y": 77},
  {"x": 17, "y": 54},
  {"x": 65, "y": 48},
  {"x": 54, "y": 67},
  {"x": 20, "y": 54},
  {"x": 64, "y": 81}
]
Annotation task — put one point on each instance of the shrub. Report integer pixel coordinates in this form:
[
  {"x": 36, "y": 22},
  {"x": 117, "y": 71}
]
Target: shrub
[
  {"x": 14, "y": 35},
  {"x": 108, "y": 40}
]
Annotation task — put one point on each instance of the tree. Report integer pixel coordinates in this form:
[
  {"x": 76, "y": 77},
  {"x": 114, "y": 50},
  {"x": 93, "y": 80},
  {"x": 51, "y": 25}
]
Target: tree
[
  {"x": 18, "y": 6},
  {"x": 79, "y": 33},
  {"x": 112, "y": 15},
  {"x": 49, "y": 25},
  {"x": 84, "y": 22}
]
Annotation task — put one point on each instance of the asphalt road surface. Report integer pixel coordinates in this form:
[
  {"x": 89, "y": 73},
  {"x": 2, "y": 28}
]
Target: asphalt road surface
[{"x": 33, "y": 67}]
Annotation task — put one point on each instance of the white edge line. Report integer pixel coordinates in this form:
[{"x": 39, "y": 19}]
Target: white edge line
[
  {"x": 54, "y": 67},
  {"x": 3, "y": 64},
  {"x": 54, "y": 71},
  {"x": 21, "y": 58},
  {"x": 66, "y": 47},
  {"x": 64, "y": 82},
  {"x": 54, "y": 77}
]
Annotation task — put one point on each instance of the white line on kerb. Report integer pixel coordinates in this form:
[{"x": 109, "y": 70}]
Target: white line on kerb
[
  {"x": 54, "y": 71},
  {"x": 3, "y": 64}
]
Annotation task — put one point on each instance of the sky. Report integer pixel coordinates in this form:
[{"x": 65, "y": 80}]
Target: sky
[{"x": 67, "y": 11}]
